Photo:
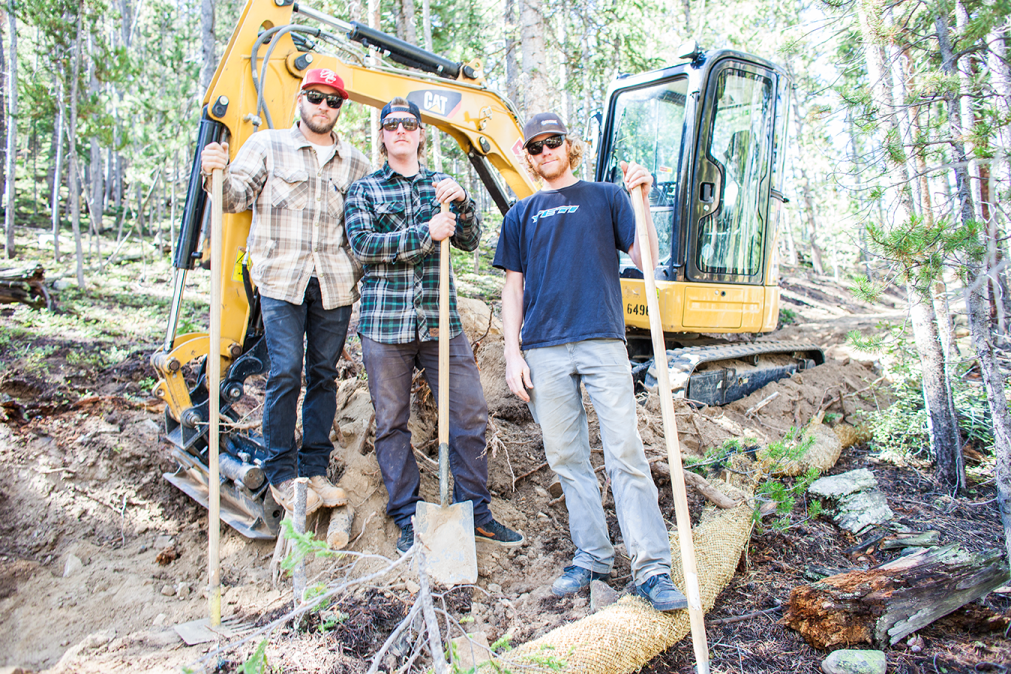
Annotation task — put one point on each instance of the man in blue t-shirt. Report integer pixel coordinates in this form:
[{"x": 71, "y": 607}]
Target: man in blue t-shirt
[{"x": 559, "y": 249}]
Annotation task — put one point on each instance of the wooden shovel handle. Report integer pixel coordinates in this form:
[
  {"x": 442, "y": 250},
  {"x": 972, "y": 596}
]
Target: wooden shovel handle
[
  {"x": 677, "y": 478},
  {"x": 444, "y": 367}
]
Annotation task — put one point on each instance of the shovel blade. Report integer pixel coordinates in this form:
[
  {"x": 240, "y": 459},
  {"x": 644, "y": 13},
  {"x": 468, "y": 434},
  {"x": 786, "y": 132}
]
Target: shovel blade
[{"x": 447, "y": 539}]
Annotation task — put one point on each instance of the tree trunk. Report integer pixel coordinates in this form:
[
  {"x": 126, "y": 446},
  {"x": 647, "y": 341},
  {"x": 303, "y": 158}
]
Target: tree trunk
[
  {"x": 945, "y": 324},
  {"x": 10, "y": 171},
  {"x": 207, "y": 43},
  {"x": 536, "y": 88},
  {"x": 1000, "y": 80},
  {"x": 885, "y": 604},
  {"x": 945, "y": 440},
  {"x": 74, "y": 176},
  {"x": 406, "y": 25},
  {"x": 377, "y": 159},
  {"x": 58, "y": 167},
  {"x": 805, "y": 187},
  {"x": 434, "y": 141},
  {"x": 977, "y": 306},
  {"x": 512, "y": 71},
  {"x": 96, "y": 203}
]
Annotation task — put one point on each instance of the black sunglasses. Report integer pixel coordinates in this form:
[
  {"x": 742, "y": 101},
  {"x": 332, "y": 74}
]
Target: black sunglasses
[
  {"x": 410, "y": 123},
  {"x": 553, "y": 142},
  {"x": 334, "y": 101}
]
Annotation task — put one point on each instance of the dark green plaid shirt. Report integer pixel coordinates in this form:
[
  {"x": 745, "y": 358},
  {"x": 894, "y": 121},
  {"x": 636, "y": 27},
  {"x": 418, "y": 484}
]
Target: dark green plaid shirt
[{"x": 386, "y": 217}]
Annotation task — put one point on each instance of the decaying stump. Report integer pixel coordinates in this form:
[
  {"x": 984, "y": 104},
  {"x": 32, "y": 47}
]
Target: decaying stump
[
  {"x": 26, "y": 285},
  {"x": 884, "y": 604}
]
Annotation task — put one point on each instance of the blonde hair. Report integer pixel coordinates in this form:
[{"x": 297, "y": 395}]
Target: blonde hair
[
  {"x": 575, "y": 149},
  {"x": 399, "y": 100}
]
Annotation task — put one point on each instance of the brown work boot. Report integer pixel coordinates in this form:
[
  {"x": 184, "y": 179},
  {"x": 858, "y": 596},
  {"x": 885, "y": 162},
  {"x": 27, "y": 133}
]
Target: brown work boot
[
  {"x": 332, "y": 496},
  {"x": 284, "y": 494}
]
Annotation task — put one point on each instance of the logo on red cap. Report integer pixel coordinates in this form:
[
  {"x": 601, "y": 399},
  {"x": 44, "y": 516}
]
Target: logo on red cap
[{"x": 328, "y": 76}]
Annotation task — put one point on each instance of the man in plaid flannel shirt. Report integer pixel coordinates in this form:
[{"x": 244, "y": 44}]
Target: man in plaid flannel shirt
[
  {"x": 295, "y": 180},
  {"x": 394, "y": 224}
]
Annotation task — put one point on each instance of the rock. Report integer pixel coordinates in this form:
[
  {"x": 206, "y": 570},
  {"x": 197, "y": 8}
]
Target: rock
[
  {"x": 183, "y": 590},
  {"x": 470, "y": 651},
  {"x": 837, "y": 486},
  {"x": 862, "y": 510},
  {"x": 60, "y": 283},
  {"x": 855, "y": 662},
  {"x": 494, "y": 588},
  {"x": 98, "y": 639},
  {"x": 168, "y": 590},
  {"x": 412, "y": 586},
  {"x": 159, "y": 620},
  {"x": 72, "y": 565},
  {"x": 601, "y": 595}
]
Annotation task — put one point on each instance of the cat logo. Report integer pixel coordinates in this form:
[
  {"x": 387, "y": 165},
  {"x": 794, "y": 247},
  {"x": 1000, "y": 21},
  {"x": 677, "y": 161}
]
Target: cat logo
[{"x": 437, "y": 102}]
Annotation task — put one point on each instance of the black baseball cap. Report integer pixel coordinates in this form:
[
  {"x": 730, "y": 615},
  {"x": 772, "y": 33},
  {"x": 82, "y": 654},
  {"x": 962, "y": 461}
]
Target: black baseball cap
[
  {"x": 389, "y": 108},
  {"x": 543, "y": 122}
]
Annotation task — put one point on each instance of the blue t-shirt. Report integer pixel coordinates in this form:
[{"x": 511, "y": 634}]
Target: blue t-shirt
[{"x": 565, "y": 243}]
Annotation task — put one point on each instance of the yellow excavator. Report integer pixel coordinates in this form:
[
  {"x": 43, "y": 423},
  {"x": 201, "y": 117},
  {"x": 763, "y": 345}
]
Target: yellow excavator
[{"x": 711, "y": 130}]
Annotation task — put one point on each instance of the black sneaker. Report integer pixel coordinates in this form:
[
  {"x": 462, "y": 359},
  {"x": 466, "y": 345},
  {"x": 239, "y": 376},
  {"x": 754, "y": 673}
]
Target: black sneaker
[
  {"x": 573, "y": 579},
  {"x": 499, "y": 534},
  {"x": 406, "y": 539},
  {"x": 659, "y": 591}
]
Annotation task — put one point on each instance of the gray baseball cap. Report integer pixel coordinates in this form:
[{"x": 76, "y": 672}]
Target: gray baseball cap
[{"x": 541, "y": 123}]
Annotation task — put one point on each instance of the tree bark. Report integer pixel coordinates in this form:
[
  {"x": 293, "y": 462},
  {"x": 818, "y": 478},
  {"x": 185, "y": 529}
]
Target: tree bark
[
  {"x": 373, "y": 22},
  {"x": 58, "y": 164},
  {"x": 74, "y": 176},
  {"x": 512, "y": 70},
  {"x": 207, "y": 44},
  {"x": 10, "y": 170},
  {"x": 945, "y": 440},
  {"x": 536, "y": 88},
  {"x": 885, "y": 604},
  {"x": 805, "y": 188},
  {"x": 406, "y": 22},
  {"x": 434, "y": 141},
  {"x": 96, "y": 204},
  {"x": 977, "y": 306}
]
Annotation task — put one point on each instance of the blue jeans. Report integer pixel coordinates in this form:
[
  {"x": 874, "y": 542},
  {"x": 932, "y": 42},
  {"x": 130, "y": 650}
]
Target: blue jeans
[
  {"x": 390, "y": 368},
  {"x": 324, "y": 331},
  {"x": 601, "y": 365}
]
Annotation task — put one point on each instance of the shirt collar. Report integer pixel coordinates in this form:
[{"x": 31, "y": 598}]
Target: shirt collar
[
  {"x": 300, "y": 140},
  {"x": 387, "y": 172}
]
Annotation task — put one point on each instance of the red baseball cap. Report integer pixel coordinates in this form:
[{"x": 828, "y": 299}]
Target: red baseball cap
[{"x": 326, "y": 77}]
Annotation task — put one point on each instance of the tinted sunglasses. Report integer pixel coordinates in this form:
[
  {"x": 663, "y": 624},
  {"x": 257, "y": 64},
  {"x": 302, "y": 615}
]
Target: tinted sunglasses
[
  {"x": 334, "y": 101},
  {"x": 553, "y": 142},
  {"x": 410, "y": 124}
]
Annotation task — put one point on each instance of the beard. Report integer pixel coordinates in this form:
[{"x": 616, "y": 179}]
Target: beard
[
  {"x": 315, "y": 125},
  {"x": 556, "y": 169}
]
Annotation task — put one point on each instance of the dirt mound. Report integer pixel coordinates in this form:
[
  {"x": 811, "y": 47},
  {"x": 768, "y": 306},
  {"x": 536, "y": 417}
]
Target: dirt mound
[{"x": 93, "y": 534}]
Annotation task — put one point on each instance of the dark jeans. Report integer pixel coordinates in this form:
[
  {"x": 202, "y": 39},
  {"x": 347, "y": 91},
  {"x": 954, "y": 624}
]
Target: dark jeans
[
  {"x": 390, "y": 368},
  {"x": 285, "y": 324}
]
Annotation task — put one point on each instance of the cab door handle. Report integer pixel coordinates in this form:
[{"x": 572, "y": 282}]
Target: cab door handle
[{"x": 707, "y": 193}]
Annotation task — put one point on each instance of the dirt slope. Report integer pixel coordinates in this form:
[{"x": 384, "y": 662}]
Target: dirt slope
[{"x": 100, "y": 557}]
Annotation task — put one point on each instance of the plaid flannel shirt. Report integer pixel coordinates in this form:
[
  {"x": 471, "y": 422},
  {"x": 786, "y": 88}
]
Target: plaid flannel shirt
[
  {"x": 298, "y": 215},
  {"x": 386, "y": 216}
]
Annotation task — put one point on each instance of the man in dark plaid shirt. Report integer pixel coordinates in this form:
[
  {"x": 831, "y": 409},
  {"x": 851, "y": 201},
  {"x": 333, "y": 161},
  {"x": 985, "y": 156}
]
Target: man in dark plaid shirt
[{"x": 394, "y": 224}]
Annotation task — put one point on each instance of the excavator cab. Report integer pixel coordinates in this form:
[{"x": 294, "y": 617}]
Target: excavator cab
[{"x": 711, "y": 132}]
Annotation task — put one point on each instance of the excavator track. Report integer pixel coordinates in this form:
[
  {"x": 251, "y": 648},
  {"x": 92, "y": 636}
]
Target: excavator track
[{"x": 718, "y": 374}]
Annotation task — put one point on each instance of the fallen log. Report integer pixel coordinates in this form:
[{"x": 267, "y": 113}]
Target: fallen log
[
  {"x": 661, "y": 473},
  {"x": 338, "y": 532},
  {"x": 27, "y": 286},
  {"x": 884, "y": 604}
]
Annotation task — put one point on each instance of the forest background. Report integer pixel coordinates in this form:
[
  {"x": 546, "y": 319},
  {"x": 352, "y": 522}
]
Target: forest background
[{"x": 898, "y": 150}]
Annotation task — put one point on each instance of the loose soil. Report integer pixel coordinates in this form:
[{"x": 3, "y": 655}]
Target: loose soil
[{"x": 100, "y": 557}]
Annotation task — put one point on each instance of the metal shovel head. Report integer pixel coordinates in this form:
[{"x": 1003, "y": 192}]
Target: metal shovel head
[{"x": 447, "y": 539}]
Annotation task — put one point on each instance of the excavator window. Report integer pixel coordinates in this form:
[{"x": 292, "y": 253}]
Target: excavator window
[
  {"x": 648, "y": 129},
  {"x": 731, "y": 240}
]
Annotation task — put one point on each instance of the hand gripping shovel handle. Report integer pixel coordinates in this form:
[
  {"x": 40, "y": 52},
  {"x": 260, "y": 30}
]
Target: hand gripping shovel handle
[
  {"x": 677, "y": 478},
  {"x": 444, "y": 367}
]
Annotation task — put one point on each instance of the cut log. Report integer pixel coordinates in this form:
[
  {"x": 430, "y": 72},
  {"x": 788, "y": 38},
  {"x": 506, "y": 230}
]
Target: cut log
[
  {"x": 27, "y": 286},
  {"x": 339, "y": 532},
  {"x": 885, "y": 604},
  {"x": 661, "y": 473}
]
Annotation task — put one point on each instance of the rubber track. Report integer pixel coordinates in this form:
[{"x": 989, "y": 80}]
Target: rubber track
[{"x": 684, "y": 362}]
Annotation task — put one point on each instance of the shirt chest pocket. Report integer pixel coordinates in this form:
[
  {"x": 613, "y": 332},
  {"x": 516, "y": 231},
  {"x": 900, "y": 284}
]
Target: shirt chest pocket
[
  {"x": 289, "y": 189},
  {"x": 335, "y": 200},
  {"x": 391, "y": 216}
]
